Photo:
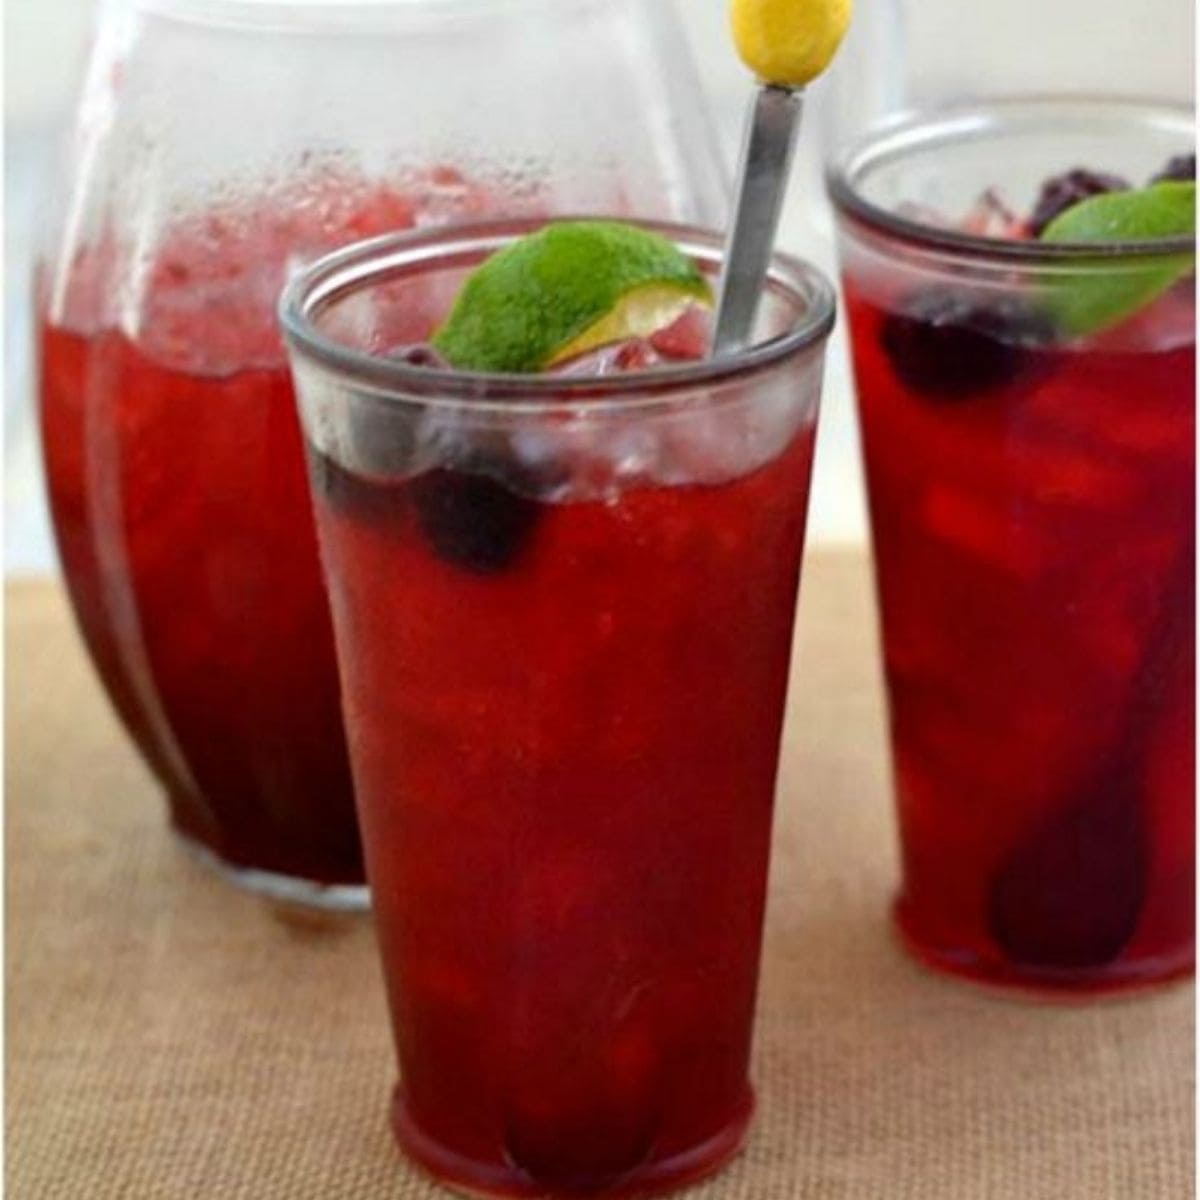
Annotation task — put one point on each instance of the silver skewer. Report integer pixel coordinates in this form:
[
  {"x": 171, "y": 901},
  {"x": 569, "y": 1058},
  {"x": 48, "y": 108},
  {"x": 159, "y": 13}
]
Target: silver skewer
[{"x": 767, "y": 148}]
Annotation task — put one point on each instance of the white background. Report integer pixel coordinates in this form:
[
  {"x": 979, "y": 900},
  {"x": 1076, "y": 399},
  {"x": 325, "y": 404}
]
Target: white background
[{"x": 950, "y": 48}]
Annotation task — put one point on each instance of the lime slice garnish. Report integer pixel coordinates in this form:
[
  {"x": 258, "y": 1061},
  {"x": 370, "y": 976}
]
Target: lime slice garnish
[
  {"x": 566, "y": 289},
  {"x": 1104, "y": 291}
]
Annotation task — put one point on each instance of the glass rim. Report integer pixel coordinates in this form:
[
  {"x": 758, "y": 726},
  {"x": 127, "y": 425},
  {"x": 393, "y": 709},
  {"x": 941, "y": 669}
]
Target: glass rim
[
  {"x": 920, "y": 128},
  {"x": 366, "y": 262}
]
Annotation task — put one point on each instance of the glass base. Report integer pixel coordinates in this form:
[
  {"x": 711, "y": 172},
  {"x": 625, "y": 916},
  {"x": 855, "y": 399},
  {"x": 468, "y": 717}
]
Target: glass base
[
  {"x": 1120, "y": 978},
  {"x": 469, "y": 1177},
  {"x": 283, "y": 889}
]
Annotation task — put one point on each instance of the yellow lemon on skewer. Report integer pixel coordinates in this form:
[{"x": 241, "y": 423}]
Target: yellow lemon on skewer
[{"x": 788, "y": 43}]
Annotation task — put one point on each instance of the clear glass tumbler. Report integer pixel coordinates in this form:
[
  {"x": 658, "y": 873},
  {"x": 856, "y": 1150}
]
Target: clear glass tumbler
[
  {"x": 1031, "y": 477},
  {"x": 218, "y": 145},
  {"x": 563, "y": 608}
]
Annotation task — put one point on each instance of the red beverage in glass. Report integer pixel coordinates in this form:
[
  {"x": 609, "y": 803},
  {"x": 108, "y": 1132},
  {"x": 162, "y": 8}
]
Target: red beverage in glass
[
  {"x": 1032, "y": 500},
  {"x": 563, "y": 614},
  {"x": 180, "y": 501}
]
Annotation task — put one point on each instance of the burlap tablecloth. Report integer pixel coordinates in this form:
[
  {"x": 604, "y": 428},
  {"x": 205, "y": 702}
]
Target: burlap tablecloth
[{"x": 168, "y": 1037}]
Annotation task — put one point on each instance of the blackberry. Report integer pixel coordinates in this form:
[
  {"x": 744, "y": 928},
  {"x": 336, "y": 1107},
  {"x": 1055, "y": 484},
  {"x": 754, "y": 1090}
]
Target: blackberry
[
  {"x": 1180, "y": 169},
  {"x": 951, "y": 345},
  {"x": 1061, "y": 192},
  {"x": 471, "y": 518},
  {"x": 1072, "y": 894}
]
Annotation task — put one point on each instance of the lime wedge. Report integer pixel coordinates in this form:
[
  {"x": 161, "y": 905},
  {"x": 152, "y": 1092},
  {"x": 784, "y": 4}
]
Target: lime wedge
[
  {"x": 1103, "y": 292},
  {"x": 564, "y": 290}
]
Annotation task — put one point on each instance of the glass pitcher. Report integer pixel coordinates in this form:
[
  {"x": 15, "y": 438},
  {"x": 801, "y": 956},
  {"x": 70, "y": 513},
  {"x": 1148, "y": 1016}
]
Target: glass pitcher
[{"x": 218, "y": 146}]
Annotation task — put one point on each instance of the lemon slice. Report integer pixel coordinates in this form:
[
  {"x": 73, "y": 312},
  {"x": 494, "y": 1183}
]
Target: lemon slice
[
  {"x": 564, "y": 290},
  {"x": 788, "y": 42}
]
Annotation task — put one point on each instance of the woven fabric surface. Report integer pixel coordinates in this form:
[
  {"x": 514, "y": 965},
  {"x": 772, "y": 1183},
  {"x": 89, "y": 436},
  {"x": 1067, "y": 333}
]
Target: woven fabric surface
[{"x": 169, "y": 1038}]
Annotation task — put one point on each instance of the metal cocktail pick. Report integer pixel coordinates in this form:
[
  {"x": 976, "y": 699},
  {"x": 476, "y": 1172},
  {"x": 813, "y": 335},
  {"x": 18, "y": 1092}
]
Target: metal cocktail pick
[
  {"x": 786, "y": 44},
  {"x": 768, "y": 145}
]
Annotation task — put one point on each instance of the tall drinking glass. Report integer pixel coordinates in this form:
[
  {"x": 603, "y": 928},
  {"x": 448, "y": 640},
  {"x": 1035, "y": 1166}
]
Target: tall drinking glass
[
  {"x": 1031, "y": 476},
  {"x": 218, "y": 145},
  {"x": 563, "y": 609}
]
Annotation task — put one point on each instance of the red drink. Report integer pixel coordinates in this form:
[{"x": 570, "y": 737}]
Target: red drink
[
  {"x": 564, "y": 660},
  {"x": 180, "y": 500},
  {"x": 1032, "y": 505},
  {"x": 179, "y": 566},
  {"x": 576, "y": 742},
  {"x": 994, "y": 522}
]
